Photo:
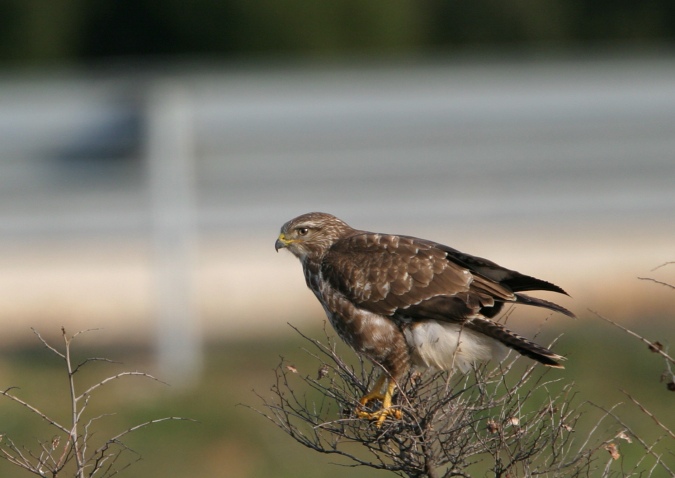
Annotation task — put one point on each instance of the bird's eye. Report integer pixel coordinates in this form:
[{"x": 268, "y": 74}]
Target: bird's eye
[{"x": 302, "y": 231}]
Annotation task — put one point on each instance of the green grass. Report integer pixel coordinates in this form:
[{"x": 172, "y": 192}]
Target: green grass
[{"x": 228, "y": 439}]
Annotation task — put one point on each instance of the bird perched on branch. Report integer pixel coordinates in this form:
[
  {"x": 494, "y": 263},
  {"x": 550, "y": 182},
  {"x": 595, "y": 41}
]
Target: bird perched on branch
[{"x": 403, "y": 301}]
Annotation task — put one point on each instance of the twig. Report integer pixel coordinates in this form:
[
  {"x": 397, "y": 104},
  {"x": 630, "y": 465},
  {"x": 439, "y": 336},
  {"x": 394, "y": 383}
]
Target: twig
[
  {"x": 73, "y": 434},
  {"x": 115, "y": 377},
  {"x": 34, "y": 410},
  {"x": 449, "y": 423},
  {"x": 649, "y": 414},
  {"x": 651, "y": 345},
  {"x": 658, "y": 282},
  {"x": 662, "y": 265},
  {"x": 47, "y": 461},
  {"x": 648, "y": 449},
  {"x": 44, "y": 342}
]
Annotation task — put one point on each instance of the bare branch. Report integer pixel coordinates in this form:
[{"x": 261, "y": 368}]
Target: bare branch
[
  {"x": 449, "y": 424},
  {"x": 93, "y": 359},
  {"x": 115, "y": 377},
  {"x": 658, "y": 282},
  {"x": 117, "y": 437},
  {"x": 46, "y": 344},
  {"x": 85, "y": 331},
  {"x": 662, "y": 265},
  {"x": 647, "y": 448},
  {"x": 654, "y": 348},
  {"x": 33, "y": 409},
  {"x": 649, "y": 414},
  {"x": 73, "y": 434},
  {"x": 71, "y": 447}
]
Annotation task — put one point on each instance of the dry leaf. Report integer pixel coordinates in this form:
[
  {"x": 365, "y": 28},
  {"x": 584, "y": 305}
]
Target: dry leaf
[
  {"x": 492, "y": 426},
  {"x": 613, "y": 450}
]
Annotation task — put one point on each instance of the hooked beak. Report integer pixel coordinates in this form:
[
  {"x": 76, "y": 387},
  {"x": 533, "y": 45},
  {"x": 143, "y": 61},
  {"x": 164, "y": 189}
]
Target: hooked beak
[{"x": 281, "y": 242}]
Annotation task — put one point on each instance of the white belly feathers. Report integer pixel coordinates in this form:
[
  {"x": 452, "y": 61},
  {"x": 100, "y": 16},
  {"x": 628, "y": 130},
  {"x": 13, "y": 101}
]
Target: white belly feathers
[{"x": 445, "y": 346}]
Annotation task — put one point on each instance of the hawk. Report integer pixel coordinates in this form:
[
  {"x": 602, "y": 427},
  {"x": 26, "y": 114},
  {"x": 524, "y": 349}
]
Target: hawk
[{"x": 402, "y": 301}]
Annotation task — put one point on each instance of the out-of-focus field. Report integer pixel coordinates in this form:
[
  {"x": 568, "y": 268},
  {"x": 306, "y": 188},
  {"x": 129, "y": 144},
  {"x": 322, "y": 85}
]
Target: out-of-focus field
[
  {"x": 228, "y": 439},
  {"x": 149, "y": 207},
  {"x": 562, "y": 169}
]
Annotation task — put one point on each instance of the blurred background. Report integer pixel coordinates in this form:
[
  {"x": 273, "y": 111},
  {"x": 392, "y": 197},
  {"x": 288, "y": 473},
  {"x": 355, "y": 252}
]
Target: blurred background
[{"x": 149, "y": 154}]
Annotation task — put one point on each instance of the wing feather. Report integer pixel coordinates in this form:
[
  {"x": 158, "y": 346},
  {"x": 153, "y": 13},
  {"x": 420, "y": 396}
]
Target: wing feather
[
  {"x": 392, "y": 275},
  {"x": 406, "y": 276}
]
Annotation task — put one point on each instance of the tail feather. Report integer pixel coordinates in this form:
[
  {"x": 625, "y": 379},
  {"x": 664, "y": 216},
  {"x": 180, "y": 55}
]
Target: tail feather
[
  {"x": 520, "y": 283},
  {"x": 518, "y": 343},
  {"x": 493, "y": 310},
  {"x": 527, "y": 300}
]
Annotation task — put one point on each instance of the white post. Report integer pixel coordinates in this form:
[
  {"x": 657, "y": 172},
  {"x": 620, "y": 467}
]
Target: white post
[{"x": 171, "y": 176}]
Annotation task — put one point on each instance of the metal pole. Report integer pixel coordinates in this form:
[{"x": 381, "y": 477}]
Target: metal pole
[{"x": 171, "y": 177}]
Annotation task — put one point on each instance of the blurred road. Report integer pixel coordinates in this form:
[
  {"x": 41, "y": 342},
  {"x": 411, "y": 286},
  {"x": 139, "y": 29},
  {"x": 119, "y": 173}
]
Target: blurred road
[{"x": 562, "y": 169}]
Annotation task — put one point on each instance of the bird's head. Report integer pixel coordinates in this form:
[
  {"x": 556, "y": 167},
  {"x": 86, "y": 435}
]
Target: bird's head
[{"x": 311, "y": 235}]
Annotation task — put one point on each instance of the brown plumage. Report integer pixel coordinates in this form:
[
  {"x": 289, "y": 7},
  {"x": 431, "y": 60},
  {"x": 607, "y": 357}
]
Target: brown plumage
[{"x": 404, "y": 301}]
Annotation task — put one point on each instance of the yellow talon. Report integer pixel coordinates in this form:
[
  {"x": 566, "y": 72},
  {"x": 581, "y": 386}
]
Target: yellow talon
[
  {"x": 380, "y": 415},
  {"x": 376, "y": 394}
]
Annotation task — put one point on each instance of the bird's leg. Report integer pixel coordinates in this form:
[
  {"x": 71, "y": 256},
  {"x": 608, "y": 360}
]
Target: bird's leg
[{"x": 376, "y": 394}]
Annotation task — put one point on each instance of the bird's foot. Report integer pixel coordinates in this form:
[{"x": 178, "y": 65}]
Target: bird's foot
[
  {"x": 379, "y": 415},
  {"x": 374, "y": 394}
]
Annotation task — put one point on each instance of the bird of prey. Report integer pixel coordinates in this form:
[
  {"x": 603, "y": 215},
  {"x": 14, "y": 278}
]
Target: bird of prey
[{"x": 403, "y": 301}]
